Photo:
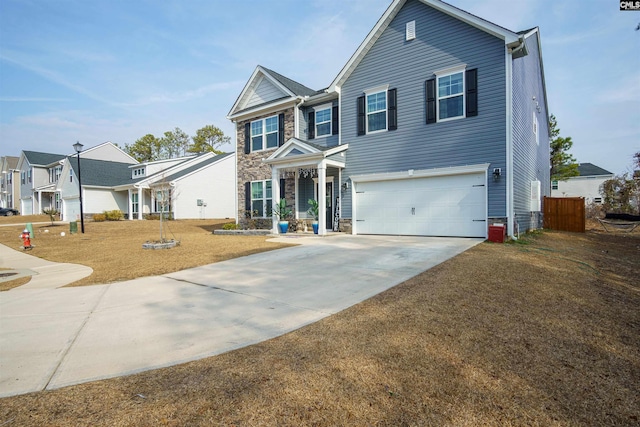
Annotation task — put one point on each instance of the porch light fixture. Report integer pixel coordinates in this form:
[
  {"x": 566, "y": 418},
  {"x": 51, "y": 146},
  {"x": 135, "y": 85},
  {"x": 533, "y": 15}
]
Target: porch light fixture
[
  {"x": 496, "y": 174},
  {"x": 78, "y": 147},
  {"x": 345, "y": 186}
]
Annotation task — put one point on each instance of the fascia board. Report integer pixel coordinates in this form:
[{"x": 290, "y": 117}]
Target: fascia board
[
  {"x": 259, "y": 70},
  {"x": 264, "y": 109},
  {"x": 421, "y": 173}
]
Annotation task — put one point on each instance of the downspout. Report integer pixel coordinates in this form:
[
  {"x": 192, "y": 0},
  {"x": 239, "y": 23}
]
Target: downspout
[{"x": 296, "y": 119}]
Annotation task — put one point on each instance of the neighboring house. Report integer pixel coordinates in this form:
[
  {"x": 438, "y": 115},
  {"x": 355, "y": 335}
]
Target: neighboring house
[
  {"x": 196, "y": 187},
  {"x": 586, "y": 184},
  {"x": 437, "y": 125},
  {"x": 9, "y": 182},
  {"x": 40, "y": 173}
]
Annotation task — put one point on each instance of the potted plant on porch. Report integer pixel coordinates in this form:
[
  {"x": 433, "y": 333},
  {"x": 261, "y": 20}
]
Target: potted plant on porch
[
  {"x": 313, "y": 211},
  {"x": 282, "y": 212}
]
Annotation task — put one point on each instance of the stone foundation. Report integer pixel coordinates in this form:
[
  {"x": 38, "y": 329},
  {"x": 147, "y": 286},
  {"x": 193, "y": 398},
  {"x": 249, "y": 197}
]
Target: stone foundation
[{"x": 344, "y": 225}]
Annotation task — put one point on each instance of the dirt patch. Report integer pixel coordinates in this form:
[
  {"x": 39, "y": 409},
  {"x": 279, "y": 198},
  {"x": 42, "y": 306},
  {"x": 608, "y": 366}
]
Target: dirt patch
[
  {"x": 114, "y": 249},
  {"x": 545, "y": 332}
]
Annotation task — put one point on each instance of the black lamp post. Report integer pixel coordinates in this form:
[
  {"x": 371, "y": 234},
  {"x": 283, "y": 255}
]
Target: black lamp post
[{"x": 78, "y": 147}]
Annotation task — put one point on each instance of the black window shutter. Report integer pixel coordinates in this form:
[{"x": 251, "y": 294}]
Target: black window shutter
[
  {"x": 334, "y": 120},
  {"x": 247, "y": 138},
  {"x": 430, "y": 88},
  {"x": 471, "y": 81},
  {"x": 282, "y": 188},
  {"x": 280, "y": 129},
  {"x": 392, "y": 109},
  {"x": 361, "y": 116},
  {"x": 247, "y": 196},
  {"x": 312, "y": 125}
]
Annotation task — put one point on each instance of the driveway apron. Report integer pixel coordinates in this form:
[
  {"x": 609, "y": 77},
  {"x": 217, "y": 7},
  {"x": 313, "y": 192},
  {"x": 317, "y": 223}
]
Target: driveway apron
[{"x": 50, "y": 338}]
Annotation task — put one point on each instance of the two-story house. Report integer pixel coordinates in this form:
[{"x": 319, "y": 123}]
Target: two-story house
[
  {"x": 586, "y": 184},
  {"x": 437, "y": 125},
  {"x": 9, "y": 182}
]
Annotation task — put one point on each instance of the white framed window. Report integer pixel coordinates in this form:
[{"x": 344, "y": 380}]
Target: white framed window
[
  {"x": 554, "y": 184},
  {"x": 70, "y": 175},
  {"x": 535, "y": 128},
  {"x": 22, "y": 177},
  {"x": 323, "y": 120},
  {"x": 29, "y": 175},
  {"x": 134, "y": 204},
  {"x": 139, "y": 172},
  {"x": 376, "y": 109},
  {"x": 597, "y": 200},
  {"x": 450, "y": 94},
  {"x": 162, "y": 200},
  {"x": 261, "y": 199},
  {"x": 264, "y": 133}
]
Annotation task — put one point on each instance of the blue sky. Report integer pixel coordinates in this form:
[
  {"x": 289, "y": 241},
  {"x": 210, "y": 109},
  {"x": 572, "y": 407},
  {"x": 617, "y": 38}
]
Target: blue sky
[{"x": 114, "y": 70}]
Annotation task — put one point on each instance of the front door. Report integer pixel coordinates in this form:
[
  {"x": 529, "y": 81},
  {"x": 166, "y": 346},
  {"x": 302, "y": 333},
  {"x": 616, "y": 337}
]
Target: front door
[{"x": 329, "y": 212}]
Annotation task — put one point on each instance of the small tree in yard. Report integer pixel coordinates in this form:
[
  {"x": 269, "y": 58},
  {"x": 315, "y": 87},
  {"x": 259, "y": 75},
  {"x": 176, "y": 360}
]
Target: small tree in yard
[
  {"x": 563, "y": 164},
  {"x": 52, "y": 212},
  {"x": 621, "y": 194}
]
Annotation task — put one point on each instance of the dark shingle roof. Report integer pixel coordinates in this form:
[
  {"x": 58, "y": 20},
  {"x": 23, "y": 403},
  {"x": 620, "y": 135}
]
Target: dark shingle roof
[
  {"x": 43, "y": 159},
  {"x": 293, "y": 86},
  {"x": 196, "y": 166},
  {"x": 101, "y": 172},
  {"x": 589, "y": 169}
]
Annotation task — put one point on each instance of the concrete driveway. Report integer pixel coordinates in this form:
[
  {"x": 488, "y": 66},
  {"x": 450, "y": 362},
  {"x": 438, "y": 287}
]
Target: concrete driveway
[{"x": 50, "y": 338}]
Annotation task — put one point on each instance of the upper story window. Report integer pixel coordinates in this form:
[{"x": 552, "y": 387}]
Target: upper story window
[
  {"x": 554, "y": 185},
  {"x": 22, "y": 177},
  {"x": 264, "y": 133},
  {"x": 9, "y": 177},
  {"x": 138, "y": 172},
  {"x": 54, "y": 173},
  {"x": 70, "y": 175},
  {"x": 452, "y": 94},
  {"x": 29, "y": 175},
  {"x": 323, "y": 121},
  {"x": 377, "y": 110}
]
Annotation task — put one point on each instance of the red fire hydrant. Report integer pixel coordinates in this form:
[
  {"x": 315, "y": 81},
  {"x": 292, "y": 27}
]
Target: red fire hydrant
[{"x": 26, "y": 239}]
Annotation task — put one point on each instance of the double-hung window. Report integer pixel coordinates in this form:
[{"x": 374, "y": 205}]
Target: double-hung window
[
  {"x": 134, "y": 203},
  {"x": 264, "y": 133},
  {"x": 323, "y": 121},
  {"x": 376, "y": 111},
  {"x": 451, "y": 95},
  {"x": 261, "y": 199}
]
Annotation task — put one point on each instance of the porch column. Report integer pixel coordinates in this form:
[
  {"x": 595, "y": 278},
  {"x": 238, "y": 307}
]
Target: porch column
[
  {"x": 140, "y": 202},
  {"x": 129, "y": 205},
  {"x": 275, "y": 196},
  {"x": 322, "y": 198},
  {"x": 39, "y": 202},
  {"x": 296, "y": 195}
]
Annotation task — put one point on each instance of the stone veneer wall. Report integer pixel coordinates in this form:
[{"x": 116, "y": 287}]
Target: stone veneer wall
[{"x": 251, "y": 168}]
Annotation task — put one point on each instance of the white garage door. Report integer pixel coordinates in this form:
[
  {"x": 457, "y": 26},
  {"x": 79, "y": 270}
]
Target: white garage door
[
  {"x": 453, "y": 205},
  {"x": 26, "y": 207},
  {"x": 71, "y": 210}
]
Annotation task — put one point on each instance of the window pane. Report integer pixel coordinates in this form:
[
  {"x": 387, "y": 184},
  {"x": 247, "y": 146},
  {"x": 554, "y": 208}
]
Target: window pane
[
  {"x": 450, "y": 107},
  {"x": 256, "y": 190},
  {"x": 376, "y": 102},
  {"x": 256, "y": 143},
  {"x": 256, "y": 128},
  {"x": 272, "y": 140},
  {"x": 323, "y": 129},
  {"x": 257, "y": 208},
  {"x": 272, "y": 124},
  {"x": 269, "y": 203},
  {"x": 323, "y": 116},
  {"x": 268, "y": 189},
  {"x": 377, "y": 121}
]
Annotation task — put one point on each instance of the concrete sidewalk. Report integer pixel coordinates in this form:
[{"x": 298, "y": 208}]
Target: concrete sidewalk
[{"x": 50, "y": 338}]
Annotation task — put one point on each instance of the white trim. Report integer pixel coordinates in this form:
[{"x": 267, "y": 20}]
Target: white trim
[
  {"x": 251, "y": 84},
  {"x": 318, "y": 108},
  {"x": 264, "y": 109},
  {"x": 371, "y": 91},
  {"x": 421, "y": 173},
  {"x": 374, "y": 91},
  {"x": 446, "y": 73},
  {"x": 509, "y": 141},
  {"x": 264, "y": 133},
  {"x": 450, "y": 70}
]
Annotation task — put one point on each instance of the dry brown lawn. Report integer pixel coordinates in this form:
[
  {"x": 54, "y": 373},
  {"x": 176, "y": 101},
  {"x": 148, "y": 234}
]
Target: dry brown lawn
[
  {"x": 113, "y": 249},
  {"x": 544, "y": 332}
]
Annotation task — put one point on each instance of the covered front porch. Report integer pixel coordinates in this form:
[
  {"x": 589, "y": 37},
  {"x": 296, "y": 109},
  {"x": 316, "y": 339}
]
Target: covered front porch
[{"x": 301, "y": 171}]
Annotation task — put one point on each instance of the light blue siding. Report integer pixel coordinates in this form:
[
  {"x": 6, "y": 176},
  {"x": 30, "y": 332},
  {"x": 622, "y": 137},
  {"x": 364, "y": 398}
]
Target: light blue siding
[
  {"x": 265, "y": 92},
  {"x": 441, "y": 42},
  {"x": 530, "y": 160}
]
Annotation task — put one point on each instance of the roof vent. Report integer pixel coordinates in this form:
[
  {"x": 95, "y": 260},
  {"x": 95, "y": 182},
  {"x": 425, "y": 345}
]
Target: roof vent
[{"x": 411, "y": 30}]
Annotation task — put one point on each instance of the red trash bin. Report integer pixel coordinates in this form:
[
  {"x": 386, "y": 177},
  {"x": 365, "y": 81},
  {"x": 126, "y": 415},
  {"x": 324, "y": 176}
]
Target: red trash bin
[{"x": 497, "y": 233}]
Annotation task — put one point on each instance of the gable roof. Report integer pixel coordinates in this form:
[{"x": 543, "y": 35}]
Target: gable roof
[
  {"x": 101, "y": 173},
  {"x": 36, "y": 158},
  {"x": 11, "y": 162},
  {"x": 197, "y": 166},
  {"x": 290, "y": 90},
  {"x": 589, "y": 169},
  {"x": 508, "y": 36}
]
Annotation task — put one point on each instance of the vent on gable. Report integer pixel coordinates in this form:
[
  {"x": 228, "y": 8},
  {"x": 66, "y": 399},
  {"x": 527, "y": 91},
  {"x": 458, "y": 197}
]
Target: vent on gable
[{"x": 411, "y": 30}]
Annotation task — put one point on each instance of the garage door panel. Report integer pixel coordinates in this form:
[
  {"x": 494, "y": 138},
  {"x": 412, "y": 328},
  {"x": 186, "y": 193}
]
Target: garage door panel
[{"x": 435, "y": 206}]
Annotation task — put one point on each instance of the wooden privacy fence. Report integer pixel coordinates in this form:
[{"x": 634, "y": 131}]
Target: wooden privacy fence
[{"x": 564, "y": 213}]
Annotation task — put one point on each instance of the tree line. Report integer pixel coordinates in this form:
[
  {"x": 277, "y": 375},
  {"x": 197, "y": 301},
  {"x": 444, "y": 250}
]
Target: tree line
[{"x": 177, "y": 143}]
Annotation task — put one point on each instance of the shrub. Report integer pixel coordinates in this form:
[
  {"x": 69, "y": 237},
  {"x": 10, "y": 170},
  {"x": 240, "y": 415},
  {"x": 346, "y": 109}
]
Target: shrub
[
  {"x": 99, "y": 217},
  {"x": 230, "y": 226},
  {"x": 156, "y": 216},
  {"x": 115, "y": 215}
]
